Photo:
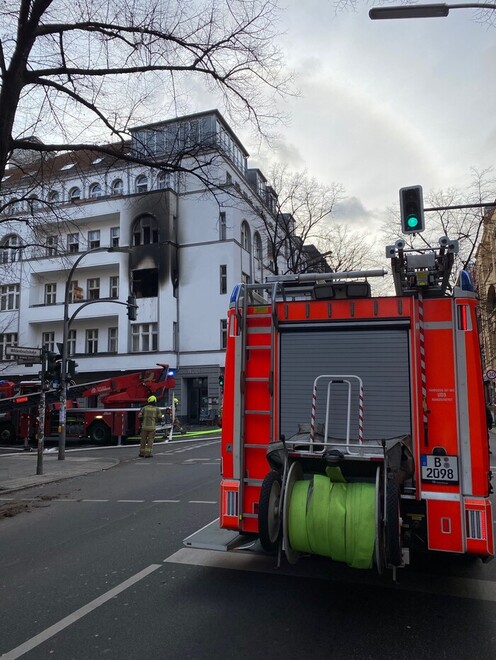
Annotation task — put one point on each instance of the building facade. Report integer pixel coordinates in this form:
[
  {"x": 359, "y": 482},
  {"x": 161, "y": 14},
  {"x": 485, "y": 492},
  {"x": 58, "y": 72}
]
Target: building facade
[
  {"x": 192, "y": 233},
  {"x": 485, "y": 276}
]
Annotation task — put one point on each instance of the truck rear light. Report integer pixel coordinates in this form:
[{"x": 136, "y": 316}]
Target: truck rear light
[
  {"x": 229, "y": 504},
  {"x": 479, "y": 527}
]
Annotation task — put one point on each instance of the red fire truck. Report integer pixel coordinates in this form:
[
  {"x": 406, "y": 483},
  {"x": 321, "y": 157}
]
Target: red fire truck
[
  {"x": 117, "y": 402},
  {"x": 354, "y": 426}
]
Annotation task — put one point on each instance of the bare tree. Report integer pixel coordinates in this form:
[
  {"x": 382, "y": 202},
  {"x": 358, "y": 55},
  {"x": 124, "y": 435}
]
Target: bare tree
[
  {"x": 77, "y": 74},
  {"x": 300, "y": 206},
  {"x": 346, "y": 249}
]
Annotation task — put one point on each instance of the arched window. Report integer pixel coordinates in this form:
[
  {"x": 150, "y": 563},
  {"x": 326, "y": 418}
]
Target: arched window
[
  {"x": 11, "y": 249},
  {"x": 491, "y": 299},
  {"x": 117, "y": 187},
  {"x": 141, "y": 185},
  {"x": 145, "y": 230},
  {"x": 53, "y": 196},
  {"x": 257, "y": 246},
  {"x": 95, "y": 191},
  {"x": 163, "y": 180},
  {"x": 74, "y": 194},
  {"x": 245, "y": 236}
]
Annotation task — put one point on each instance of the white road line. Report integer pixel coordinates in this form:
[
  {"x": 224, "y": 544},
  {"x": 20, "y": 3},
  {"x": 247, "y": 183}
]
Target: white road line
[
  {"x": 161, "y": 501},
  {"x": 6, "y": 499},
  {"x": 95, "y": 500},
  {"x": 131, "y": 501},
  {"x": 201, "y": 502},
  {"x": 78, "y": 614},
  {"x": 409, "y": 581}
]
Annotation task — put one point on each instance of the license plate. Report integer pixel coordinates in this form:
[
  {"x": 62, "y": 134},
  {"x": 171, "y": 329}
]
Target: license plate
[{"x": 439, "y": 469}]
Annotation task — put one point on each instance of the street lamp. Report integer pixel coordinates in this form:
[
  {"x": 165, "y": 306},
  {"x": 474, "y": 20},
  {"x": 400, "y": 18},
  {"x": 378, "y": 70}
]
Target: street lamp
[
  {"x": 65, "y": 335},
  {"x": 439, "y": 10}
]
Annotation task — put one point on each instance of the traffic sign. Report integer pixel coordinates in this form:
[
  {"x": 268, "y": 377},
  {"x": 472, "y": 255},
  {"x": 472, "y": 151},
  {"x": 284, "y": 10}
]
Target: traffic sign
[
  {"x": 22, "y": 352},
  {"x": 491, "y": 374}
]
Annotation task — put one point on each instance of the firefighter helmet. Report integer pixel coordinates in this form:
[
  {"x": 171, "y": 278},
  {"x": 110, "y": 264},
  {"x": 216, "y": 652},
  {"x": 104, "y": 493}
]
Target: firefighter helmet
[{"x": 152, "y": 399}]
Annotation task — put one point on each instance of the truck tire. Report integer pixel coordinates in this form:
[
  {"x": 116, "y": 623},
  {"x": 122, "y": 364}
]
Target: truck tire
[
  {"x": 394, "y": 554},
  {"x": 99, "y": 433},
  {"x": 7, "y": 433},
  {"x": 269, "y": 514}
]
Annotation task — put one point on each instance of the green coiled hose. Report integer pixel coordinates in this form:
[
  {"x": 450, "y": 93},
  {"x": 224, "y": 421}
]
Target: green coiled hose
[{"x": 333, "y": 519}]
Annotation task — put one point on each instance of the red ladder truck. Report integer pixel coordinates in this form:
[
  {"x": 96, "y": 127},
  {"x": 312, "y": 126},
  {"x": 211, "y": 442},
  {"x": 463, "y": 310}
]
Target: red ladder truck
[
  {"x": 354, "y": 426},
  {"x": 114, "y": 414}
]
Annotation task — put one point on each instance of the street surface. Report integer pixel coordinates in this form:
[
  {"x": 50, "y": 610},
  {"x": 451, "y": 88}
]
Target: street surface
[{"x": 95, "y": 567}]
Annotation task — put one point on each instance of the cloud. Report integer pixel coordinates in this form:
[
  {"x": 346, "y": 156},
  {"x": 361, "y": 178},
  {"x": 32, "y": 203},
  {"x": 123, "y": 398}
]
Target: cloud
[{"x": 351, "y": 210}]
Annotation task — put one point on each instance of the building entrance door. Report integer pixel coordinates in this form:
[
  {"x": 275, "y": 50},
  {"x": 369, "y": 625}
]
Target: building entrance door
[{"x": 197, "y": 398}]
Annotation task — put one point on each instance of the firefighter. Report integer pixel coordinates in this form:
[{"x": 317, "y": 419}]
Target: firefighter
[{"x": 150, "y": 415}]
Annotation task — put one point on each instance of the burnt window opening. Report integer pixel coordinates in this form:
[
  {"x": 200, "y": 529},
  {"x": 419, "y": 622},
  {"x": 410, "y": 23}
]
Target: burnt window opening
[
  {"x": 145, "y": 283},
  {"x": 145, "y": 230}
]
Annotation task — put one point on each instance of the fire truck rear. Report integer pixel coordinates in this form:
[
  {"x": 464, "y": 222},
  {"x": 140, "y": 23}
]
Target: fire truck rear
[{"x": 354, "y": 426}]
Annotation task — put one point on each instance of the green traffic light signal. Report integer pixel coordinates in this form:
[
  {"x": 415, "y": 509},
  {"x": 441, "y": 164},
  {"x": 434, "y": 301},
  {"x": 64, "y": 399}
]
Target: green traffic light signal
[{"x": 412, "y": 210}]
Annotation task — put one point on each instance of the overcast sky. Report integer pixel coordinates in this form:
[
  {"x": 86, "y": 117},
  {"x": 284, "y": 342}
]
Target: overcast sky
[{"x": 386, "y": 104}]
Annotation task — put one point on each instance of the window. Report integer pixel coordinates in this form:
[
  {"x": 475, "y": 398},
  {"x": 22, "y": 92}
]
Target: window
[
  {"x": 75, "y": 292},
  {"x": 223, "y": 333},
  {"x": 7, "y": 339},
  {"x": 222, "y": 226},
  {"x": 73, "y": 243},
  {"x": 15, "y": 206},
  {"x": 94, "y": 239},
  {"x": 145, "y": 282},
  {"x": 114, "y": 236},
  {"x": 91, "y": 342},
  {"x": 48, "y": 341},
  {"x": 144, "y": 337},
  {"x": 228, "y": 178},
  {"x": 11, "y": 249},
  {"x": 112, "y": 340},
  {"x": 223, "y": 278},
  {"x": 114, "y": 286},
  {"x": 9, "y": 297},
  {"x": 145, "y": 230},
  {"x": 245, "y": 236},
  {"x": 163, "y": 180},
  {"x": 51, "y": 244},
  {"x": 93, "y": 288},
  {"x": 257, "y": 246},
  {"x": 117, "y": 187},
  {"x": 175, "y": 336},
  {"x": 50, "y": 293},
  {"x": 34, "y": 203},
  {"x": 71, "y": 343},
  {"x": 245, "y": 278},
  {"x": 53, "y": 196},
  {"x": 95, "y": 191},
  {"x": 141, "y": 185},
  {"x": 74, "y": 194}
]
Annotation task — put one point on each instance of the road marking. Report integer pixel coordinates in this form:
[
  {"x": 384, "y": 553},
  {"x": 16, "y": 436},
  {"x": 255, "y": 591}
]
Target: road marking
[
  {"x": 408, "y": 580},
  {"x": 165, "y": 501},
  {"x": 94, "y": 500},
  {"x": 201, "y": 502},
  {"x": 6, "y": 499},
  {"x": 35, "y": 641},
  {"x": 131, "y": 501}
]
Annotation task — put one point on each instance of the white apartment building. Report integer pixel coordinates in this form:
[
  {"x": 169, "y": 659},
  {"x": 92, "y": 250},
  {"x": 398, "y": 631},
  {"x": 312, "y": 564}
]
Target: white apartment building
[{"x": 189, "y": 246}]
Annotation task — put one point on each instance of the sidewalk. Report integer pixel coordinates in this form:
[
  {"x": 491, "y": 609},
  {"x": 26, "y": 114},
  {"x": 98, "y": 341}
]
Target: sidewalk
[{"x": 19, "y": 471}]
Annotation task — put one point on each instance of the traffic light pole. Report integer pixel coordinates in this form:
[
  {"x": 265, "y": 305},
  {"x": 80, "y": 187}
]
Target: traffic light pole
[{"x": 41, "y": 413}]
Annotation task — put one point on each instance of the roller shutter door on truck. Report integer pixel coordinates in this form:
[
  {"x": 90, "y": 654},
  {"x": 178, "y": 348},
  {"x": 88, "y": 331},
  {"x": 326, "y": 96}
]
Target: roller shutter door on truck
[{"x": 379, "y": 357}]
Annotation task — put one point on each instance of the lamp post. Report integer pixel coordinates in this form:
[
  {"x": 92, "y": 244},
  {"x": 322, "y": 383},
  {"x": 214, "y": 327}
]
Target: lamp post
[
  {"x": 64, "y": 352},
  {"x": 438, "y": 10}
]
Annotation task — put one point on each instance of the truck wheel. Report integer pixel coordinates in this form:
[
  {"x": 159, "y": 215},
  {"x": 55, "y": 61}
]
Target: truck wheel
[
  {"x": 269, "y": 515},
  {"x": 7, "y": 433},
  {"x": 393, "y": 524},
  {"x": 99, "y": 433}
]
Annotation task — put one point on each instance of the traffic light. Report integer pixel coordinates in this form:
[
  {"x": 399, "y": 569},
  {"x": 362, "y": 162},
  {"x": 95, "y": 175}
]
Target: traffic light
[
  {"x": 52, "y": 365},
  {"x": 132, "y": 308},
  {"x": 71, "y": 368},
  {"x": 221, "y": 381},
  {"x": 412, "y": 210}
]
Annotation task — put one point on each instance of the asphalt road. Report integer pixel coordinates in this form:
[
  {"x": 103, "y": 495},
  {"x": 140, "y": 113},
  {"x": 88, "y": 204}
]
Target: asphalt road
[{"x": 95, "y": 567}]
